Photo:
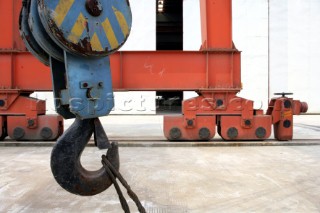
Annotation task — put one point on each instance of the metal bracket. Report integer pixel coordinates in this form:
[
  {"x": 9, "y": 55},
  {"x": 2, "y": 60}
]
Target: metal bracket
[{"x": 82, "y": 86}]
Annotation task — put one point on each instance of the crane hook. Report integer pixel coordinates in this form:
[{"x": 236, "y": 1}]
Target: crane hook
[{"x": 65, "y": 159}]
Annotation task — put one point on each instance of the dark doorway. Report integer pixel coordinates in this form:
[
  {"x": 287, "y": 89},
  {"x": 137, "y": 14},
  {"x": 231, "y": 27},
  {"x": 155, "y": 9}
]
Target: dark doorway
[
  {"x": 169, "y": 36},
  {"x": 169, "y": 24},
  {"x": 168, "y": 102}
]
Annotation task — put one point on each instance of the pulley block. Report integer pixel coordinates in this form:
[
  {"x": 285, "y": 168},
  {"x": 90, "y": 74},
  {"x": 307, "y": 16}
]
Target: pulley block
[{"x": 75, "y": 39}]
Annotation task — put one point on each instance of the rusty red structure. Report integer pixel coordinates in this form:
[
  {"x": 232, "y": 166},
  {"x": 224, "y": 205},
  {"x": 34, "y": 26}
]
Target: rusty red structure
[{"x": 214, "y": 72}]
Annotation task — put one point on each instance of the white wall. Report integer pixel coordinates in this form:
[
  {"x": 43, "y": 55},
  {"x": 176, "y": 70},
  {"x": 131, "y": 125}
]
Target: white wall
[
  {"x": 250, "y": 35},
  {"x": 191, "y": 25},
  {"x": 143, "y": 31},
  {"x": 294, "y": 48}
]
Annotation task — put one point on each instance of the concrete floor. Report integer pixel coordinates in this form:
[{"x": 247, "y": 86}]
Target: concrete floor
[
  {"x": 175, "y": 179},
  {"x": 144, "y": 128}
]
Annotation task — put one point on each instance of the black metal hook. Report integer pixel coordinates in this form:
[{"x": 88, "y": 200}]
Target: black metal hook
[{"x": 65, "y": 160}]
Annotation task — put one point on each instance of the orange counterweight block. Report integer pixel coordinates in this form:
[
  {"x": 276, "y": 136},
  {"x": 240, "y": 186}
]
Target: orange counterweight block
[
  {"x": 31, "y": 123},
  {"x": 234, "y": 118}
]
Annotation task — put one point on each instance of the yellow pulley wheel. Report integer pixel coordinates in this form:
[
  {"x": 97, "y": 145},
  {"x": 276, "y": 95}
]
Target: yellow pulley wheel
[{"x": 87, "y": 27}]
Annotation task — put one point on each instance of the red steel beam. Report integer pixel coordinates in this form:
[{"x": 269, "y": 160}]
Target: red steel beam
[
  {"x": 139, "y": 70},
  {"x": 175, "y": 70},
  {"x": 216, "y": 68}
]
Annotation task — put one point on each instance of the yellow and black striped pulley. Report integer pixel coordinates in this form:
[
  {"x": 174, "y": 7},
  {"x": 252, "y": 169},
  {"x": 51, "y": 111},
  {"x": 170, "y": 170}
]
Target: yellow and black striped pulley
[{"x": 87, "y": 27}]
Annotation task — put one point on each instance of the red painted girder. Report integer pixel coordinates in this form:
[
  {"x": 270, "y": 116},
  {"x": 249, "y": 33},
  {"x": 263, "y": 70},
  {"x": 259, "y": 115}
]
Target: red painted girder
[{"x": 138, "y": 70}]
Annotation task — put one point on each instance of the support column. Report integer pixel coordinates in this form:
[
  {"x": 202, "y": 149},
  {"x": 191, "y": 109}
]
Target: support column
[{"x": 216, "y": 24}]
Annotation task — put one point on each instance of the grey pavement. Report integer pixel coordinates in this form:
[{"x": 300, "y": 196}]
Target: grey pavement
[
  {"x": 174, "y": 179},
  {"x": 198, "y": 179},
  {"x": 149, "y": 127}
]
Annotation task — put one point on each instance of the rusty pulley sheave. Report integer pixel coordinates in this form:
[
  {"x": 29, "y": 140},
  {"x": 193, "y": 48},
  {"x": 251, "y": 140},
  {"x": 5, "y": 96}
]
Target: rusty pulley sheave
[
  {"x": 87, "y": 27},
  {"x": 93, "y": 28}
]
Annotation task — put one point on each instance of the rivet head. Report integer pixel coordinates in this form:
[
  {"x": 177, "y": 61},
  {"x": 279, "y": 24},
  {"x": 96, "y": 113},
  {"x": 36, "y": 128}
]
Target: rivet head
[
  {"x": 190, "y": 122},
  {"x": 286, "y": 123},
  {"x": 2, "y": 103},
  {"x": 247, "y": 122}
]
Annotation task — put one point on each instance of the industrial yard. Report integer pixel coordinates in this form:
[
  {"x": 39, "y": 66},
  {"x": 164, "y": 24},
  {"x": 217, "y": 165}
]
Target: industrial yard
[
  {"x": 176, "y": 177},
  {"x": 163, "y": 106}
]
